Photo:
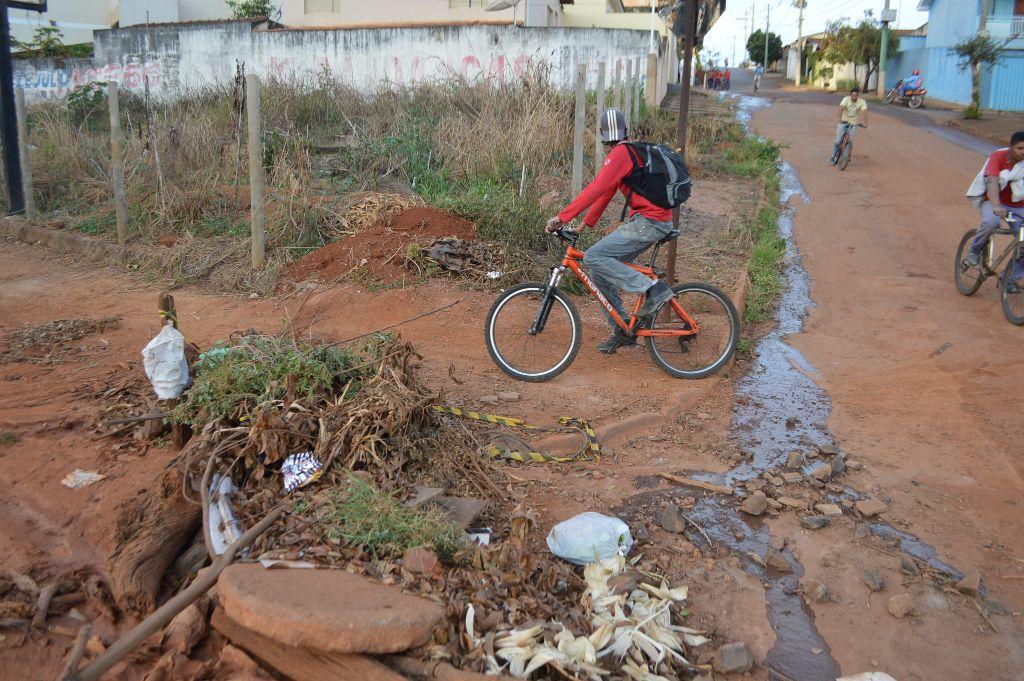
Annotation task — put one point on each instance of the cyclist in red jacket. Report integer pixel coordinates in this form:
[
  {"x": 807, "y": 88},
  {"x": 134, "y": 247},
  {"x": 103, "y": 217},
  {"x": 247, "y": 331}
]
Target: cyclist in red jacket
[{"x": 647, "y": 224}]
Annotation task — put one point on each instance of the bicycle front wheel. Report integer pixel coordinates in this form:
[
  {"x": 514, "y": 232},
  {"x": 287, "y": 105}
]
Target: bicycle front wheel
[
  {"x": 968, "y": 279},
  {"x": 844, "y": 155},
  {"x": 1012, "y": 297},
  {"x": 538, "y": 356},
  {"x": 710, "y": 348}
]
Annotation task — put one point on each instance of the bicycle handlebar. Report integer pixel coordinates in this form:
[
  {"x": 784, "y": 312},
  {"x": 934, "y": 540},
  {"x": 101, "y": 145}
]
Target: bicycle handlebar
[{"x": 567, "y": 235}]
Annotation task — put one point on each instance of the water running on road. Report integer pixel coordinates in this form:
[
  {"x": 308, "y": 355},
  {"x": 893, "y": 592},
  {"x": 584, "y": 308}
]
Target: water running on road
[{"x": 780, "y": 408}]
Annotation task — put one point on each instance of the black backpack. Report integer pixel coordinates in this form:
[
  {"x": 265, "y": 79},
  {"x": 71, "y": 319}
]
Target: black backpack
[{"x": 659, "y": 175}]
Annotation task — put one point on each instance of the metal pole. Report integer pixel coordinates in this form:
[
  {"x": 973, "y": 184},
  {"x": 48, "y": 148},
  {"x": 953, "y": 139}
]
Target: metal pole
[
  {"x": 26, "y": 166},
  {"x": 684, "y": 111},
  {"x": 252, "y": 109},
  {"x": 767, "y": 25},
  {"x": 800, "y": 41},
  {"x": 12, "y": 162},
  {"x": 883, "y": 57}
]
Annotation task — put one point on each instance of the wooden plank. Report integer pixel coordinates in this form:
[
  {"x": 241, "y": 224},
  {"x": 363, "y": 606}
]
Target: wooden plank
[
  {"x": 301, "y": 664},
  {"x": 689, "y": 482}
]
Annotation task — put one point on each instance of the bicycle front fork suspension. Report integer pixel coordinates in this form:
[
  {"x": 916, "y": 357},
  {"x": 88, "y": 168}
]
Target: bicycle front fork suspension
[{"x": 549, "y": 299}]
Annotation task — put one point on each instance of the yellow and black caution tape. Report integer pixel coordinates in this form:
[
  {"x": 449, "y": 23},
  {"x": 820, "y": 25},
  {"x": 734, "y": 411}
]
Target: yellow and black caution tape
[{"x": 591, "y": 450}]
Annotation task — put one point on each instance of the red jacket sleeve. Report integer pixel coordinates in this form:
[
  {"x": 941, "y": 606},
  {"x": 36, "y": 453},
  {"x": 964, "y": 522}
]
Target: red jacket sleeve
[{"x": 597, "y": 194}]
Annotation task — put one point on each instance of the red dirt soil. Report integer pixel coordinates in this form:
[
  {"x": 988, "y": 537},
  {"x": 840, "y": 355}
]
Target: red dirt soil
[{"x": 380, "y": 249}]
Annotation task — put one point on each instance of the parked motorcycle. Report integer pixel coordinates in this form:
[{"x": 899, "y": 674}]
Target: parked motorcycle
[{"x": 914, "y": 98}]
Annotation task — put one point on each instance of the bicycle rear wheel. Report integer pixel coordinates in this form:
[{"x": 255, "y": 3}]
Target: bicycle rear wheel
[
  {"x": 526, "y": 356},
  {"x": 844, "y": 155},
  {"x": 968, "y": 279},
  {"x": 1011, "y": 297},
  {"x": 711, "y": 348}
]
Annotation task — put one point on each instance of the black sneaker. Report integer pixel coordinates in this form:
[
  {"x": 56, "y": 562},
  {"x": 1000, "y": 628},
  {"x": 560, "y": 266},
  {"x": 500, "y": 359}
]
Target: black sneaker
[
  {"x": 656, "y": 296},
  {"x": 972, "y": 259},
  {"x": 617, "y": 340}
]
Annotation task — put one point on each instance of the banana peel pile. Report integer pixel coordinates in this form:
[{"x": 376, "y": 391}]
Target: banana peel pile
[{"x": 632, "y": 635}]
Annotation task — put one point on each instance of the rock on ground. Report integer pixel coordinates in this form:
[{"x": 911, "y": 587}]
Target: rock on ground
[
  {"x": 672, "y": 520},
  {"x": 870, "y": 507},
  {"x": 755, "y": 504},
  {"x": 814, "y": 522},
  {"x": 733, "y": 657},
  {"x": 901, "y": 605},
  {"x": 970, "y": 585},
  {"x": 328, "y": 610},
  {"x": 873, "y": 580}
]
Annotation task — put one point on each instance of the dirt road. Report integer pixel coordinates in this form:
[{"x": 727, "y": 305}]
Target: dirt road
[{"x": 924, "y": 386}]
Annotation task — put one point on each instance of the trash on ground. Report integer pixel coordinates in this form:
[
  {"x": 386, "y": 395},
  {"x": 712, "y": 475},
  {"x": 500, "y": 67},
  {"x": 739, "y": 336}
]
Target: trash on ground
[
  {"x": 589, "y": 536},
  {"x": 300, "y": 470},
  {"x": 224, "y": 527},
  {"x": 79, "y": 478},
  {"x": 165, "y": 363},
  {"x": 479, "y": 535}
]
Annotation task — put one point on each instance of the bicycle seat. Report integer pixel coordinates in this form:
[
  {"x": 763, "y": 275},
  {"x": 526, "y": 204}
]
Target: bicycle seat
[{"x": 674, "y": 234}]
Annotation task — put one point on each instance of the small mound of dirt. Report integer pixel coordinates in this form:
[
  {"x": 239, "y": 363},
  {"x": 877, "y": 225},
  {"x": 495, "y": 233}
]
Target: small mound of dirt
[{"x": 380, "y": 250}]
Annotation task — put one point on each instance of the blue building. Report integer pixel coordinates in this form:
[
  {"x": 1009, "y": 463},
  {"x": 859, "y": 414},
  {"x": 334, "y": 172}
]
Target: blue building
[{"x": 949, "y": 22}]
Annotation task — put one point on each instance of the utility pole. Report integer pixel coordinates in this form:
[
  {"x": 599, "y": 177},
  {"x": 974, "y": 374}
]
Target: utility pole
[
  {"x": 883, "y": 58},
  {"x": 800, "y": 41},
  {"x": 690, "y": 17},
  {"x": 767, "y": 26}
]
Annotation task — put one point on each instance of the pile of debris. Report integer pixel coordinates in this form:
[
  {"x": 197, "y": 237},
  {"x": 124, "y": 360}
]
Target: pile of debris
[
  {"x": 329, "y": 467},
  {"x": 50, "y": 341},
  {"x": 806, "y": 484}
]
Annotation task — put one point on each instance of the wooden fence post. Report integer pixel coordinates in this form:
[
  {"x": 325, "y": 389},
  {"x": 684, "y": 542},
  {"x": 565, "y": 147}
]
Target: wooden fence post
[
  {"x": 581, "y": 125},
  {"x": 117, "y": 164},
  {"x": 256, "y": 217},
  {"x": 652, "y": 81},
  {"x": 26, "y": 164},
  {"x": 627, "y": 95},
  {"x": 599, "y": 109},
  {"x": 617, "y": 94}
]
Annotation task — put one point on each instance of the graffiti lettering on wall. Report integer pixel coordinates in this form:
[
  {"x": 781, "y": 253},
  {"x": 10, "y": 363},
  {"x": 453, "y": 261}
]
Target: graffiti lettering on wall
[{"x": 54, "y": 82}]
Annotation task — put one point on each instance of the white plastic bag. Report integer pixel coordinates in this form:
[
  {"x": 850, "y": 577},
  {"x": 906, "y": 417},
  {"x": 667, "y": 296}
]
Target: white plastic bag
[
  {"x": 589, "y": 537},
  {"x": 165, "y": 363}
]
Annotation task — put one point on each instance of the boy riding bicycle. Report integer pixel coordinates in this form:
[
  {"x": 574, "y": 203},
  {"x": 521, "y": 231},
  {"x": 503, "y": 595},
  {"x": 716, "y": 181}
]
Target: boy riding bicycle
[
  {"x": 853, "y": 111},
  {"x": 999, "y": 189},
  {"x": 647, "y": 224}
]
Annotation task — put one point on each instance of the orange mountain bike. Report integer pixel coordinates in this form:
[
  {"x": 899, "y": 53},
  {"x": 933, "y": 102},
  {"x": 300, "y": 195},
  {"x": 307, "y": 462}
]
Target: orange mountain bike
[{"x": 533, "y": 330}]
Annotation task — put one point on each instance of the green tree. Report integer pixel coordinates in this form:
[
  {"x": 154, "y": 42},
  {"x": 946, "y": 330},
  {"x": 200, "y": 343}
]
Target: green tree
[
  {"x": 976, "y": 52},
  {"x": 248, "y": 9},
  {"x": 755, "y": 47},
  {"x": 860, "y": 44}
]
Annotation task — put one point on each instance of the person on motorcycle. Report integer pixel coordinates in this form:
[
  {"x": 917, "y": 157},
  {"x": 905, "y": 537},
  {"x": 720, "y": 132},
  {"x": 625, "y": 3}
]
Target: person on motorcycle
[
  {"x": 911, "y": 83},
  {"x": 647, "y": 224},
  {"x": 853, "y": 111},
  {"x": 1004, "y": 196}
]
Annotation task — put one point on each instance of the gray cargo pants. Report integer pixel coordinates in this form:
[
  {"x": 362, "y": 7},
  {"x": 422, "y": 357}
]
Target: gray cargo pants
[{"x": 605, "y": 259}]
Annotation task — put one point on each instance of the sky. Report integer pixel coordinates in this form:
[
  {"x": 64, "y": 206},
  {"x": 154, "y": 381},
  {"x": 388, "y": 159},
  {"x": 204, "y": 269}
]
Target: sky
[{"x": 784, "y": 19}]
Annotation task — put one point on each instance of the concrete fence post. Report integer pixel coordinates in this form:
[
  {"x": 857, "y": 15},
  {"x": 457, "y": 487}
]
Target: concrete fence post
[
  {"x": 598, "y": 110},
  {"x": 627, "y": 95},
  {"x": 617, "y": 84},
  {"x": 256, "y": 217},
  {"x": 26, "y": 165},
  {"x": 117, "y": 163},
  {"x": 652, "y": 81},
  {"x": 581, "y": 125},
  {"x": 635, "y": 103}
]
